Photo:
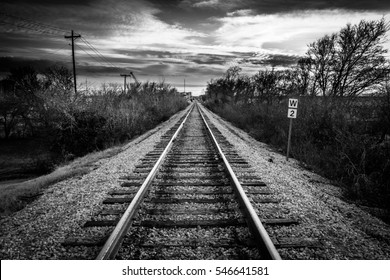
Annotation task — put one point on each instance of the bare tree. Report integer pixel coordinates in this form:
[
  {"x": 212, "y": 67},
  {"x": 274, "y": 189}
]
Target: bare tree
[
  {"x": 59, "y": 78},
  {"x": 302, "y": 76},
  {"x": 226, "y": 88},
  {"x": 322, "y": 54},
  {"x": 231, "y": 82},
  {"x": 350, "y": 62},
  {"x": 266, "y": 85}
]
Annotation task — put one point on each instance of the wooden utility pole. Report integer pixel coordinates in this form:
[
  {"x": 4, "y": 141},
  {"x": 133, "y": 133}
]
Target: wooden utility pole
[
  {"x": 124, "y": 86},
  {"x": 73, "y": 37}
]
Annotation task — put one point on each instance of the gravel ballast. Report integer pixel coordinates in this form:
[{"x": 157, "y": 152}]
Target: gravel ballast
[
  {"x": 343, "y": 230},
  {"x": 37, "y": 231}
]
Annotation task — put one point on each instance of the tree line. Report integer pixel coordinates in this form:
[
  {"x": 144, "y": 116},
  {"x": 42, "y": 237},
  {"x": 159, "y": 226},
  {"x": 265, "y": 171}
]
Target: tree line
[
  {"x": 43, "y": 105},
  {"x": 343, "y": 125},
  {"x": 344, "y": 64}
]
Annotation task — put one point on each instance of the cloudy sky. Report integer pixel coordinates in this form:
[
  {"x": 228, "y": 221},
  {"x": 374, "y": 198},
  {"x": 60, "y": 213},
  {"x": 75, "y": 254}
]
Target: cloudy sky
[{"x": 171, "y": 40}]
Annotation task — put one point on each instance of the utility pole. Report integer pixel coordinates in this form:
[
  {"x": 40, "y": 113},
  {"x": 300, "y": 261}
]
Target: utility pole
[
  {"x": 125, "y": 75},
  {"x": 184, "y": 85},
  {"x": 73, "y": 37}
]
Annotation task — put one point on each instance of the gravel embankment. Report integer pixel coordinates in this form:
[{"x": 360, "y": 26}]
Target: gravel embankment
[
  {"x": 36, "y": 232},
  {"x": 343, "y": 230}
]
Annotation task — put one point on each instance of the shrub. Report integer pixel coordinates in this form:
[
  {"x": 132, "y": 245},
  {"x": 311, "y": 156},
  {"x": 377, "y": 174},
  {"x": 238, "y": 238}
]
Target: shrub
[{"x": 331, "y": 140}]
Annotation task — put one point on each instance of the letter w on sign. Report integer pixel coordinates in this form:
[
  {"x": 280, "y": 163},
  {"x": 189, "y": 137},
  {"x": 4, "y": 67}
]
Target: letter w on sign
[{"x": 293, "y": 103}]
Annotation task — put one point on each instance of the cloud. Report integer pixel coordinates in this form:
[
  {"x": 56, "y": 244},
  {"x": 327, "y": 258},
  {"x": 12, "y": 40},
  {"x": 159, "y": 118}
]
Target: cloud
[
  {"x": 287, "y": 6},
  {"x": 100, "y": 18},
  {"x": 215, "y": 4},
  {"x": 51, "y": 2},
  {"x": 138, "y": 27},
  {"x": 208, "y": 3},
  {"x": 195, "y": 38},
  {"x": 274, "y": 60},
  {"x": 210, "y": 59},
  {"x": 279, "y": 33},
  {"x": 240, "y": 13},
  {"x": 108, "y": 25}
]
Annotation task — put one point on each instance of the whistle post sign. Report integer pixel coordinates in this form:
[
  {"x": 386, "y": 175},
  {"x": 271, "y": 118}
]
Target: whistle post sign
[
  {"x": 292, "y": 108},
  {"x": 291, "y": 114}
]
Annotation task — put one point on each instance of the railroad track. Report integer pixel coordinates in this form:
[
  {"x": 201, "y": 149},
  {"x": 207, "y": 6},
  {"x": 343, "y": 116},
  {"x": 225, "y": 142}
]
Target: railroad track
[{"x": 187, "y": 199}]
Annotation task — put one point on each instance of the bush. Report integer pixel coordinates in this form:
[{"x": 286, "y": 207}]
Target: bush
[
  {"x": 340, "y": 132},
  {"x": 332, "y": 140},
  {"x": 73, "y": 125},
  {"x": 84, "y": 134},
  {"x": 109, "y": 118}
]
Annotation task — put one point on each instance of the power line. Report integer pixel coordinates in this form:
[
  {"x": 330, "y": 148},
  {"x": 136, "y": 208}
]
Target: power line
[
  {"x": 29, "y": 24},
  {"x": 24, "y": 26},
  {"x": 89, "y": 45},
  {"x": 93, "y": 57},
  {"x": 53, "y": 54},
  {"x": 57, "y": 51},
  {"x": 46, "y": 52},
  {"x": 38, "y": 24},
  {"x": 51, "y": 30}
]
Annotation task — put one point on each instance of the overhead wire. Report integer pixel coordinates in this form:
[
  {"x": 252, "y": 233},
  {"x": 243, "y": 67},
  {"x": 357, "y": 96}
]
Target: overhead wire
[
  {"x": 24, "y": 26},
  {"x": 35, "y": 23},
  {"x": 57, "y": 51},
  {"x": 28, "y": 24},
  {"x": 101, "y": 56},
  {"x": 94, "y": 58}
]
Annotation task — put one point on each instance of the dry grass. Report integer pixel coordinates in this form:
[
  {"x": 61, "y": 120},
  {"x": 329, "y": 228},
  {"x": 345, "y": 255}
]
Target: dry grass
[{"x": 14, "y": 197}]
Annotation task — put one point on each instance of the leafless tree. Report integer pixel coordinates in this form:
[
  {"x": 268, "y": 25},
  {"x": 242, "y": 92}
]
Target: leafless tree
[{"x": 351, "y": 62}]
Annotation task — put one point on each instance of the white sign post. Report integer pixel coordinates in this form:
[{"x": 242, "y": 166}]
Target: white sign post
[{"x": 291, "y": 114}]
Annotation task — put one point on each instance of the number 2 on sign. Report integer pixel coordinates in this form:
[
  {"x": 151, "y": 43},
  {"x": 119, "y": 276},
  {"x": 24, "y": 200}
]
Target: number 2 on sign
[{"x": 292, "y": 113}]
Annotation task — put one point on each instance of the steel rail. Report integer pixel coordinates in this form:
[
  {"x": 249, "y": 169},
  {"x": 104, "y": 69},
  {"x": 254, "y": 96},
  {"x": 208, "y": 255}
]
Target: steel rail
[
  {"x": 113, "y": 243},
  {"x": 263, "y": 241}
]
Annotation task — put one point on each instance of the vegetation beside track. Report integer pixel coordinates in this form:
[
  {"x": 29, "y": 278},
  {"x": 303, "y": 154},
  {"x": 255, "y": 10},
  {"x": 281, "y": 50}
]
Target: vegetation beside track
[
  {"x": 40, "y": 113},
  {"x": 343, "y": 126}
]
